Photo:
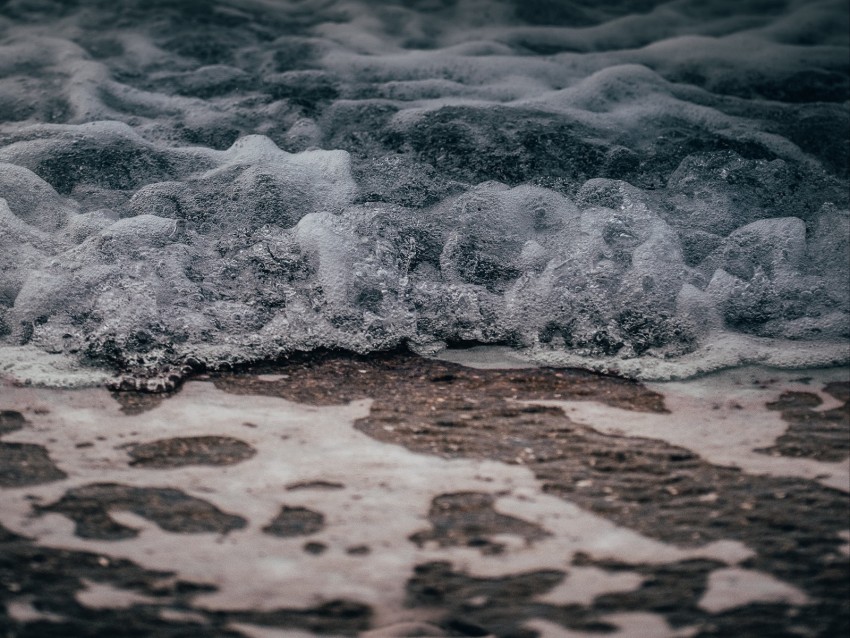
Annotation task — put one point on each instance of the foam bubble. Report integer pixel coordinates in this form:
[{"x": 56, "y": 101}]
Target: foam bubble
[{"x": 657, "y": 190}]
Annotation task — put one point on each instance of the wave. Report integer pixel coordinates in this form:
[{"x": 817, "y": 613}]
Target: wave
[{"x": 654, "y": 188}]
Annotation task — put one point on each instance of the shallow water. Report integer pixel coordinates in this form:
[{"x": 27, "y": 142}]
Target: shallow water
[{"x": 653, "y": 188}]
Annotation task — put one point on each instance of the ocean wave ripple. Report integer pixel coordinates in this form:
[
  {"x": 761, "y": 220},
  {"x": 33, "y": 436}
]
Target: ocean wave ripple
[{"x": 615, "y": 184}]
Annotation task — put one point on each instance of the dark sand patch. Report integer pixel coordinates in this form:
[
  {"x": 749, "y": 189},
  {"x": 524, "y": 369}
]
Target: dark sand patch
[
  {"x": 172, "y": 510},
  {"x": 133, "y": 402},
  {"x": 197, "y": 450},
  {"x": 822, "y": 435},
  {"x": 314, "y": 485},
  {"x": 54, "y": 577},
  {"x": 295, "y": 521},
  {"x": 23, "y": 464},
  {"x": 328, "y": 378},
  {"x": 469, "y": 519}
]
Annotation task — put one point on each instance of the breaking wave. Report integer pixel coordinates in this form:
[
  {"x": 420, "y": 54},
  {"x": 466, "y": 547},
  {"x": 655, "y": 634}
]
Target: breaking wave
[{"x": 656, "y": 188}]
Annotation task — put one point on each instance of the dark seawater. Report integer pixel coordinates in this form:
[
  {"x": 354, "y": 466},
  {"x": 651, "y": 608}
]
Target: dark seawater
[{"x": 658, "y": 188}]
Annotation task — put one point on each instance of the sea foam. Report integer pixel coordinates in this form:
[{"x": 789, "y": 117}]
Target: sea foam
[{"x": 657, "y": 190}]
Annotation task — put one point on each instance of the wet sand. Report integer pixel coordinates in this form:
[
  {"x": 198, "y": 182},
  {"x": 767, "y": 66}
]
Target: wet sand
[{"x": 394, "y": 495}]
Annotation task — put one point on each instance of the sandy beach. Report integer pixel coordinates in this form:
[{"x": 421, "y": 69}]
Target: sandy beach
[
  {"x": 408, "y": 318},
  {"x": 394, "y": 495}
]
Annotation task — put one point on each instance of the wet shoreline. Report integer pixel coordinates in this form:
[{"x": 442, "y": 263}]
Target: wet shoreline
[{"x": 399, "y": 495}]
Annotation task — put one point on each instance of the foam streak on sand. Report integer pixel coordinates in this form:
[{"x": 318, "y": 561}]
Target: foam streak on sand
[
  {"x": 656, "y": 188},
  {"x": 229, "y": 507}
]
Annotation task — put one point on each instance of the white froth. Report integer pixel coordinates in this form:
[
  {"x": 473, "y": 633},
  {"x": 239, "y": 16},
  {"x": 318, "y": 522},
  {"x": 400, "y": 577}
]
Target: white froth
[
  {"x": 658, "y": 192},
  {"x": 734, "y": 587}
]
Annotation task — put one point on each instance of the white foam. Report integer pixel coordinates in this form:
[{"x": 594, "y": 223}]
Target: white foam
[
  {"x": 734, "y": 587},
  {"x": 28, "y": 365},
  {"x": 155, "y": 214}
]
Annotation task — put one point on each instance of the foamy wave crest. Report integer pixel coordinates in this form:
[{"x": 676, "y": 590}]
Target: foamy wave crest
[{"x": 654, "y": 188}]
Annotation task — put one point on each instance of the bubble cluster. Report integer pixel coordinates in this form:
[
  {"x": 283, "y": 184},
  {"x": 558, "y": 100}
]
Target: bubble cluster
[{"x": 193, "y": 183}]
